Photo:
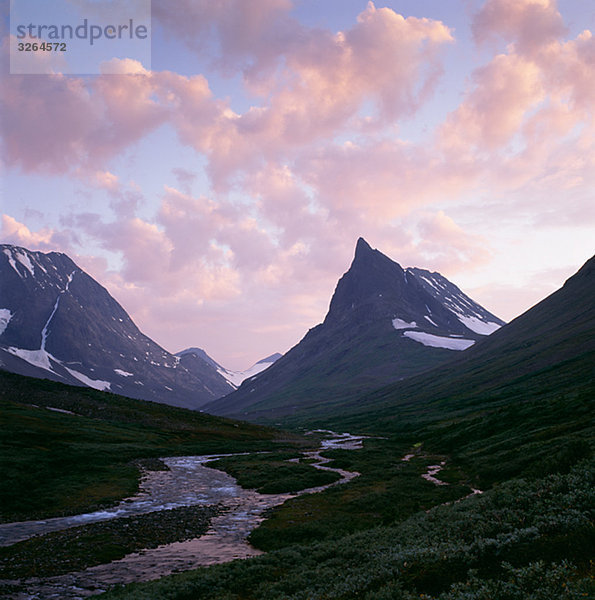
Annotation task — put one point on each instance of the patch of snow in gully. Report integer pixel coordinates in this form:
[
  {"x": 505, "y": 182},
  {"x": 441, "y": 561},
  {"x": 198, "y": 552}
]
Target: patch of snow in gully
[{"x": 437, "y": 341}]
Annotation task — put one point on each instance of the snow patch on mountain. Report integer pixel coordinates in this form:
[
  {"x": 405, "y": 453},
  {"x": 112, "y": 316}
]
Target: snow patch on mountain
[
  {"x": 234, "y": 378},
  {"x": 472, "y": 315},
  {"x": 24, "y": 260},
  {"x": 102, "y": 386},
  {"x": 237, "y": 377},
  {"x": 430, "y": 320},
  {"x": 400, "y": 324},
  {"x": 5, "y": 316},
  {"x": 38, "y": 358},
  {"x": 125, "y": 373},
  {"x": 11, "y": 261},
  {"x": 477, "y": 325},
  {"x": 438, "y": 341}
]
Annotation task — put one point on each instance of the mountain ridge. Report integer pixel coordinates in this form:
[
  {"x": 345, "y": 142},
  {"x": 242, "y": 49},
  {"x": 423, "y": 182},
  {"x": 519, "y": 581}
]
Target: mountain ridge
[
  {"x": 549, "y": 349},
  {"x": 59, "y": 323},
  {"x": 235, "y": 378}
]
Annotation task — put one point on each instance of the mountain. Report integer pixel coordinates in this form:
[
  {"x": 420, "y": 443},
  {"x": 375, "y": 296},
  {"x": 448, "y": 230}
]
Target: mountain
[
  {"x": 58, "y": 323},
  {"x": 384, "y": 323},
  {"x": 235, "y": 378},
  {"x": 520, "y": 398},
  {"x": 546, "y": 353}
]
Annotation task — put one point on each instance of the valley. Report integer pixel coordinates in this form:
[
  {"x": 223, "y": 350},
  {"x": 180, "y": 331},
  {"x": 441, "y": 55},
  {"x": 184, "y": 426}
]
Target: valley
[{"x": 468, "y": 477}]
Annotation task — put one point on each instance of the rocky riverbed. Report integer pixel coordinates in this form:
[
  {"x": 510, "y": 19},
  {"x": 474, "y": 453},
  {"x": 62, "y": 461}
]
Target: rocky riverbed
[{"x": 190, "y": 515}]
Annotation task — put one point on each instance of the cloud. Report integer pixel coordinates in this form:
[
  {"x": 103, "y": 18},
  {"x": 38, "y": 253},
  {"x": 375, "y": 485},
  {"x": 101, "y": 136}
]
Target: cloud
[
  {"x": 123, "y": 66},
  {"x": 321, "y": 82},
  {"x": 248, "y": 36},
  {"x": 75, "y": 123},
  {"x": 448, "y": 247},
  {"x": 318, "y": 160},
  {"x": 509, "y": 299},
  {"x": 13, "y": 232},
  {"x": 380, "y": 180},
  {"x": 504, "y": 92},
  {"x": 104, "y": 180},
  {"x": 56, "y": 112},
  {"x": 526, "y": 123},
  {"x": 185, "y": 178},
  {"x": 530, "y": 24}
]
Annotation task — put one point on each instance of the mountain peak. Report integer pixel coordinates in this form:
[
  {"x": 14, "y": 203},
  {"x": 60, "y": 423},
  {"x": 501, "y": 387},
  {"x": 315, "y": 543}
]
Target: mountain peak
[
  {"x": 383, "y": 324},
  {"x": 270, "y": 359},
  {"x": 372, "y": 275},
  {"x": 362, "y": 247}
]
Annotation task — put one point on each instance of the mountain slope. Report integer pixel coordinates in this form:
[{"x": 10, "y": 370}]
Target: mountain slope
[
  {"x": 59, "y": 323},
  {"x": 235, "y": 378},
  {"x": 384, "y": 323}
]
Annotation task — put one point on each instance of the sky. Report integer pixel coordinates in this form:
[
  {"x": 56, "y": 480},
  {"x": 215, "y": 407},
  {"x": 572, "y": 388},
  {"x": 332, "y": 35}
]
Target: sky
[{"x": 219, "y": 191}]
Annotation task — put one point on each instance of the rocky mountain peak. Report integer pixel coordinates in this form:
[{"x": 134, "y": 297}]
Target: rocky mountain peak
[
  {"x": 371, "y": 281},
  {"x": 384, "y": 323},
  {"x": 362, "y": 247}
]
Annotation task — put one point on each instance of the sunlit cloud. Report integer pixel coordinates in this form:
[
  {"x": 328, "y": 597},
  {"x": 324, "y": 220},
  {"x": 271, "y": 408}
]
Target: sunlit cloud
[{"x": 264, "y": 199}]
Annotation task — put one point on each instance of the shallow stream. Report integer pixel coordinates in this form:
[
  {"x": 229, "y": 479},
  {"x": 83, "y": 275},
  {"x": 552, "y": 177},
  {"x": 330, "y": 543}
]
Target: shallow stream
[{"x": 188, "y": 482}]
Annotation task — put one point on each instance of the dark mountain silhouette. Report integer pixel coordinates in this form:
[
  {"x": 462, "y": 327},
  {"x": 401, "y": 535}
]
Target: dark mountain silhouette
[{"x": 384, "y": 323}]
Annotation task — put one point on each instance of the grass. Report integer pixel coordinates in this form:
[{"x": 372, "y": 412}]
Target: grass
[
  {"x": 521, "y": 540},
  {"x": 273, "y": 474},
  {"x": 388, "y": 490},
  {"x": 519, "y": 428}
]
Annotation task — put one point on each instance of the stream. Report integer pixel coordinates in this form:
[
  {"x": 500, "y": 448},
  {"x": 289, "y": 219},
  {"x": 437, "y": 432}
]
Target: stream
[{"x": 188, "y": 482}]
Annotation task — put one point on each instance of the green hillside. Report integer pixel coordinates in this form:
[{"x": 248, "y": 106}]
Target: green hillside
[
  {"x": 525, "y": 540},
  {"x": 547, "y": 352},
  {"x": 59, "y": 463}
]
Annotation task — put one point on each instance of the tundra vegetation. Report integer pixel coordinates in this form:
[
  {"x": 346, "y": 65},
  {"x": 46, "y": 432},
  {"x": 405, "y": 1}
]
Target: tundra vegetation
[{"x": 389, "y": 533}]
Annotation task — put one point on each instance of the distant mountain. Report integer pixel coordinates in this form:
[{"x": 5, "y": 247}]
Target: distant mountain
[
  {"x": 384, "y": 323},
  {"x": 58, "y": 323},
  {"x": 235, "y": 378}
]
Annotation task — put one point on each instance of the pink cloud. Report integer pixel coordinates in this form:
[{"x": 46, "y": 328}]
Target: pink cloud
[
  {"x": 522, "y": 134},
  {"x": 508, "y": 300},
  {"x": 318, "y": 89},
  {"x": 569, "y": 70},
  {"x": 13, "y": 232},
  {"x": 530, "y": 24},
  {"x": 54, "y": 110},
  {"x": 75, "y": 123},
  {"x": 448, "y": 247},
  {"x": 491, "y": 115},
  {"x": 250, "y": 36},
  {"x": 383, "y": 179},
  {"x": 526, "y": 123}
]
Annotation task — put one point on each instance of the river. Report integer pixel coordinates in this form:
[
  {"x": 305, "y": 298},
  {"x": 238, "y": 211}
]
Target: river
[{"x": 188, "y": 482}]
